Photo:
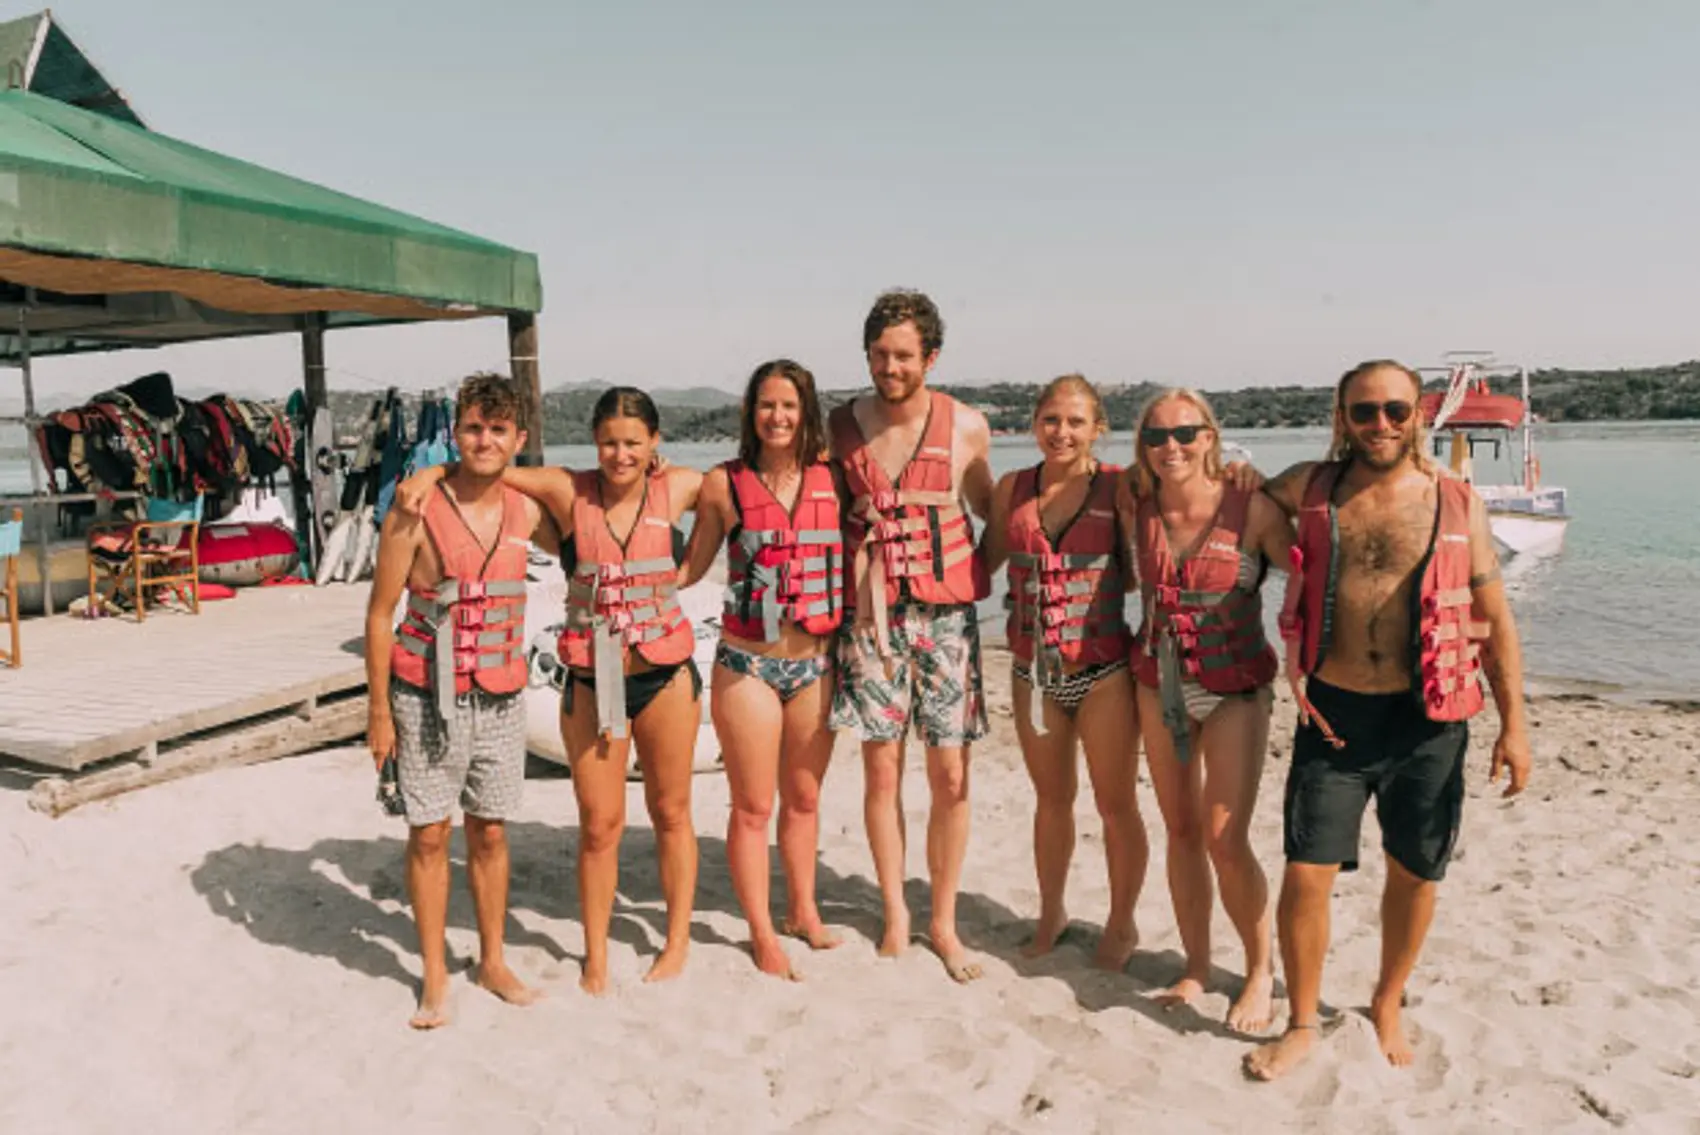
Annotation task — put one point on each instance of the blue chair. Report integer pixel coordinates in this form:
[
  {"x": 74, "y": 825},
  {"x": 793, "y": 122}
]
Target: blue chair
[
  {"x": 138, "y": 558},
  {"x": 11, "y": 542}
]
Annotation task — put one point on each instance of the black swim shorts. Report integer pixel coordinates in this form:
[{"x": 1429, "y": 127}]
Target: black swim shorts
[{"x": 1413, "y": 767}]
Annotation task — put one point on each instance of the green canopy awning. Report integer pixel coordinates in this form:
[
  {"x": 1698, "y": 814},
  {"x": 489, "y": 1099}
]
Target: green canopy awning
[{"x": 130, "y": 237}]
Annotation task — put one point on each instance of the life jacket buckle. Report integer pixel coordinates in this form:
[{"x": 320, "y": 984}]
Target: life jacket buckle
[
  {"x": 470, "y": 590},
  {"x": 1168, "y": 595},
  {"x": 883, "y": 501},
  {"x": 1185, "y": 625},
  {"x": 467, "y": 615}
]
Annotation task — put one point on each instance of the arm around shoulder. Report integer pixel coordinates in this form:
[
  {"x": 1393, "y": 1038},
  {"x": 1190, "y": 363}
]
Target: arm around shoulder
[{"x": 1287, "y": 488}]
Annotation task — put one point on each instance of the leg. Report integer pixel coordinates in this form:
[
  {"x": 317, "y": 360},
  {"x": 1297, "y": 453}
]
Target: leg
[
  {"x": 1050, "y": 762},
  {"x": 1407, "y": 910},
  {"x": 1304, "y": 920},
  {"x": 1236, "y": 737},
  {"x": 804, "y": 752},
  {"x": 1108, "y": 721},
  {"x": 665, "y": 734},
  {"x": 1180, "y": 796},
  {"x": 487, "y": 876},
  {"x": 882, "y": 813},
  {"x": 428, "y": 888},
  {"x": 599, "y": 785},
  {"x": 947, "y": 846},
  {"x": 747, "y": 718}
]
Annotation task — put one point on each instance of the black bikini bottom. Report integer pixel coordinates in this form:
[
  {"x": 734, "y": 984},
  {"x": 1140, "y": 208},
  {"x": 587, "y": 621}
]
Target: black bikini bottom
[{"x": 641, "y": 687}]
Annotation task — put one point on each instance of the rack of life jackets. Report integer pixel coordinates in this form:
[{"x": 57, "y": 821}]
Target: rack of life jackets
[{"x": 142, "y": 438}]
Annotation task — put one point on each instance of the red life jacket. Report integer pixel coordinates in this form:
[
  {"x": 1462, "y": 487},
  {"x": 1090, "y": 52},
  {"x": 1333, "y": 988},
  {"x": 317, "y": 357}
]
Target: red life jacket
[
  {"x": 621, "y": 597},
  {"x": 1070, "y": 597},
  {"x": 909, "y": 540},
  {"x": 1216, "y": 625},
  {"x": 782, "y": 565},
  {"x": 1448, "y": 662},
  {"x": 469, "y": 629}
]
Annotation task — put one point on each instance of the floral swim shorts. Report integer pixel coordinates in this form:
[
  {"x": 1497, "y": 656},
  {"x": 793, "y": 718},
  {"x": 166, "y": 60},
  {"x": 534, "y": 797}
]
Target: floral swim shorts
[{"x": 934, "y": 682}]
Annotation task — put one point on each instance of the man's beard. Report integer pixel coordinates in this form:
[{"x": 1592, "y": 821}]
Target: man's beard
[{"x": 1361, "y": 453}]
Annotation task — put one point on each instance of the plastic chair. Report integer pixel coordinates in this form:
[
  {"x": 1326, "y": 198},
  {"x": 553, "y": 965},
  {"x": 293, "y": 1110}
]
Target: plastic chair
[
  {"x": 11, "y": 543},
  {"x": 140, "y": 557}
]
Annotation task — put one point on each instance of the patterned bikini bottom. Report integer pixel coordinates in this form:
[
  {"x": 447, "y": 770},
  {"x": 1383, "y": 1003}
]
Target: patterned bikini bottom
[
  {"x": 786, "y": 677},
  {"x": 1069, "y": 690}
]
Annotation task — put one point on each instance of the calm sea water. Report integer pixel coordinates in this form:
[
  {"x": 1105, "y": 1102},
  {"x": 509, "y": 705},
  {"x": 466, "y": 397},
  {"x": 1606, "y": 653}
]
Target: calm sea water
[{"x": 1618, "y": 610}]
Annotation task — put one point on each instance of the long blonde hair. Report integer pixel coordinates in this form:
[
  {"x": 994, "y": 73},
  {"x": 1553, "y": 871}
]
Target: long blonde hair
[
  {"x": 1340, "y": 446},
  {"x": 1144, "y": 481}
]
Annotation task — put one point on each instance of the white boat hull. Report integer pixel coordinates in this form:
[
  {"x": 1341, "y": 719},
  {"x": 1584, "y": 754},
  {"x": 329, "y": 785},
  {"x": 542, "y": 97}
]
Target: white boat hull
[{"x": 1528, "y": 536}]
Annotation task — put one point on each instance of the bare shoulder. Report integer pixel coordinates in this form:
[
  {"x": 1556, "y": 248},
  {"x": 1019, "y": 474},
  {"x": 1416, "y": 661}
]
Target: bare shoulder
[
  {"x": 1287, "y": 488},
  {"x": 972, "y": 427}
]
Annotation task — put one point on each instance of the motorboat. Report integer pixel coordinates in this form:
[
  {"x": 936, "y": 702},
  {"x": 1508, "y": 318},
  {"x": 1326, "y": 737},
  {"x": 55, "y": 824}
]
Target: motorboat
[{"x": 1528, "y": 518}]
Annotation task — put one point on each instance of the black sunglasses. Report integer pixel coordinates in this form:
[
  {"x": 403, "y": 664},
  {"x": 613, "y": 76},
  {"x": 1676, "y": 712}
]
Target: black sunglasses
[
  {"x": 1363, "y": 413},
  {"x": 1155, "y": 437}
]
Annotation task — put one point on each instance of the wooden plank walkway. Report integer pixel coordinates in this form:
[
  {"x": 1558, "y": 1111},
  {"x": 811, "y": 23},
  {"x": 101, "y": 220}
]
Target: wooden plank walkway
[{"x": 90, "y": 690}]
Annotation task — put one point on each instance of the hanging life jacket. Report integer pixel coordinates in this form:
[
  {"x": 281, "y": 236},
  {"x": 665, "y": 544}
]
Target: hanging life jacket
[
  {"x": 1067, "y": 600},
  {"x": 1199, "y": 610},
  {"x": 469, "y": 630},
  {"x": 1447, "y": 663},
  {"x": 622, "y": 596},
  {"x": 783, "y": 565},
  {"x": 909, "y": 540}
]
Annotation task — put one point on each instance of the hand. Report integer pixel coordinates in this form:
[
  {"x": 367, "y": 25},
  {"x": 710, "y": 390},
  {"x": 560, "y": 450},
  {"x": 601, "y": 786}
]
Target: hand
[
  {"x": 411, "y": 494},
  {"x": 380, "y": 736},
  {"x": 1511, "y": 753},
  {"x": 1243, "y": 475}
]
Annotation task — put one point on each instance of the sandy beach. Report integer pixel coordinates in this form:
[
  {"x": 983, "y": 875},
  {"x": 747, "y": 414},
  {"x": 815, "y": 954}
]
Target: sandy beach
[{"x": 233, "y": 953}]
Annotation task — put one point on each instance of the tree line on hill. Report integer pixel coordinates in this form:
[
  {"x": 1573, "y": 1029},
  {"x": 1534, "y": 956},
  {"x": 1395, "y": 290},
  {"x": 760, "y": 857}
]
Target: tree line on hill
[{"x": 710, "y": 414}]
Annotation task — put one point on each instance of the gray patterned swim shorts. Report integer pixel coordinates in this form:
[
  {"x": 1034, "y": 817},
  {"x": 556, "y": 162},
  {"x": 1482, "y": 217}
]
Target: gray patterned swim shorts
[
  {"x": 935, "y": 681},
  {"x": 478, "y": 759}
]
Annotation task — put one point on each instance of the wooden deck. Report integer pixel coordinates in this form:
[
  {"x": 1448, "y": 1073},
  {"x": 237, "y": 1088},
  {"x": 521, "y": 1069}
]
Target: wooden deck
[{"x": 91, "y": 690}]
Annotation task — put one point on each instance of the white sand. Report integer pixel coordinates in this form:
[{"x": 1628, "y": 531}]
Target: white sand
[{"x": 231, "y": 954}]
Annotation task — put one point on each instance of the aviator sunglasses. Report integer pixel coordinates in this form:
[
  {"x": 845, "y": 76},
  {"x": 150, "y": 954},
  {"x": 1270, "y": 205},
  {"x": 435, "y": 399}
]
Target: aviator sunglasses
[
  {"x": 1155, "y": 437},
  {"x": 1363, "y": 413}
]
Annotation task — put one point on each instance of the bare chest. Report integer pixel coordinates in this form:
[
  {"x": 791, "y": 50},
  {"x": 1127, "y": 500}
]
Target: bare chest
[{"x": 1384, "y": 541}]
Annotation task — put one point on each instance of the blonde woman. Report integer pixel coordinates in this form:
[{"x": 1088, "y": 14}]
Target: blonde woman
[
  {"x": 1064, "y": 527},
  {"x": 1204, "y": 669}
]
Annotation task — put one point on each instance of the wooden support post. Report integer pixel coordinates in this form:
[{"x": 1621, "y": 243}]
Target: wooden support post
[
  {"x": 522, "y": 359},
  {"x": 40, "y": 476},
  {"x": 313, "y": 361}
]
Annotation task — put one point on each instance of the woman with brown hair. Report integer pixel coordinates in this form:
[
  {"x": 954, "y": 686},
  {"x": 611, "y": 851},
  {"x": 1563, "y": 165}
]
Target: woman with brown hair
[
  {"x": 776, "y": 509},
  {"x": 1064, "y": 526},
  {"x": 1204, "y": 670}
]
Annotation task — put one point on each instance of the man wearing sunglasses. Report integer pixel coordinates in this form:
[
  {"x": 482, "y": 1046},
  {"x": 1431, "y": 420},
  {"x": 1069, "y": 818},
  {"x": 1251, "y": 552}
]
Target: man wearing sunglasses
[{"x": 1394, "y": 605}]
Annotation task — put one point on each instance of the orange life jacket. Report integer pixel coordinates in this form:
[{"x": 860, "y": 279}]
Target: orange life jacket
[
  {"x": 622, "y": 596},
  {"x": 1069, "y": 598},
  {"x": 470, "y": 628},
  {"x": 1448, "y": 640},
  {"x": 909, "y": 540},
  {"x": 783, "y": 565},
  {"x": 1217, "y": 626}
]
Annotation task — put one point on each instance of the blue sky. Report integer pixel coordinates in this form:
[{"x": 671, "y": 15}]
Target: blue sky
[{"x": 1217, "y": 193}]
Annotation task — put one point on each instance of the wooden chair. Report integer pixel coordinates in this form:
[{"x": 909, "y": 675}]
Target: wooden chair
[
  {"x": 137, "y": 558},
  {"x": 11, "y": 543}
]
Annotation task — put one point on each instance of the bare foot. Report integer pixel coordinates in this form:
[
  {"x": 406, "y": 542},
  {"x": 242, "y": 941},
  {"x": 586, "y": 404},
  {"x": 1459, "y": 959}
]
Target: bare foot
[
  {"x": 669, "y": 964},
  {"x": 594, "y": 979},
  {"x": 958, "y": 963},
  {"x": 1273, "y": 1060},
  {"x": 1046, "y": 933},
  {"x": 433, "y": 1010},
  {"x": 1253, "y": 1011},
  {"x": 1390, "y": 1031},
  {"x": 500, "y": 980},
  {"x": 1183, "y": 992},
  {"x": 1115, "y": 947},
  {"x": 896, "y": 937},
  {"x": 770, "y": 959},
  {"x": 813, "y": 932}
]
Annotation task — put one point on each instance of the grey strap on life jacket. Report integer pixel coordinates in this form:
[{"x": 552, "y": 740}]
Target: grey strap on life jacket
[
  {"x": 608, "y": 640},
  {"x": 435, "y": 617},
  {"x": 1033, "y": 591}
]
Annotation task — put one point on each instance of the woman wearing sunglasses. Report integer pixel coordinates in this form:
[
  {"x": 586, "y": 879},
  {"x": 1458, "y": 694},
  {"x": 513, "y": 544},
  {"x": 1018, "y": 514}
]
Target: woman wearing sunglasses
[
  {"x": 1204, "y": 668},
  {"x": 1064, "y": 527}
]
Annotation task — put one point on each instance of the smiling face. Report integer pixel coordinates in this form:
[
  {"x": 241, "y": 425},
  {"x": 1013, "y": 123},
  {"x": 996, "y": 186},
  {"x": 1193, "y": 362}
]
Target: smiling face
[
  {"x": 898, "y": 362},
  {"x": 1379, "y": 442},
  {"x": 624, "y": 447},
  {"x": 486, "y": 444},
  {"x": 778, "y": 414},
  {"x": 1177, "y": 441},
  {"x": 1066, "y": 425}
]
